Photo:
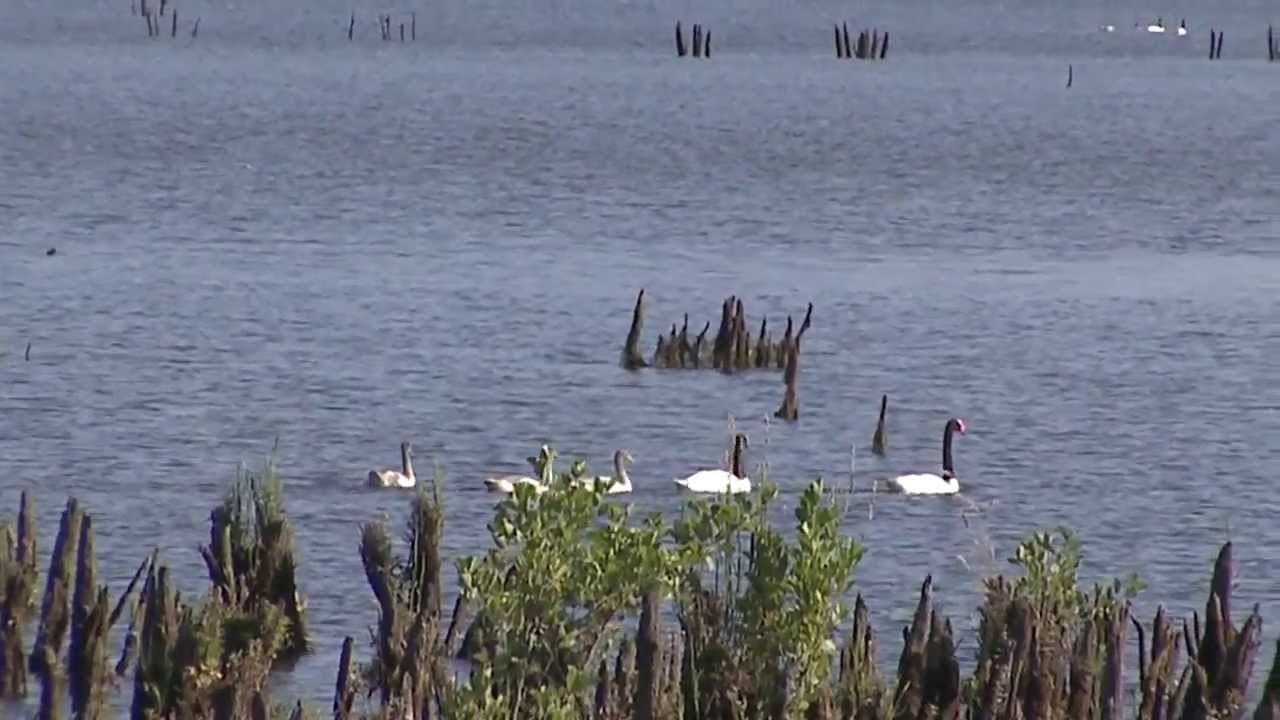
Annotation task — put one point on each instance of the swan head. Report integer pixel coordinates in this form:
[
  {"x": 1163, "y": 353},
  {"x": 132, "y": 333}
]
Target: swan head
[{"x": 622, "y": 456}]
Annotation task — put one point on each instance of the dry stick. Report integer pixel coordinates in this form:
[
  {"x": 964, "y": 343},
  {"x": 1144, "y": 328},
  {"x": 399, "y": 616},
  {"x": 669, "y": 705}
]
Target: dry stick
[
  {"x": 697, "y": 345},
  {"x": 344, "y": 695},
  {"x": 790, "y": 410}
]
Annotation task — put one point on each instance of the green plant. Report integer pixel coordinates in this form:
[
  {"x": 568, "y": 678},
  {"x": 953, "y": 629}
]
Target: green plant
[
  {"x": 251, "y": 557},
  {"x": 563, "y": 566}
]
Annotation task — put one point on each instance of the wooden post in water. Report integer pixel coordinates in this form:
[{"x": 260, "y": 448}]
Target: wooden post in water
[
  {"x": 697, "y": 40},
  {"x": 680, "y": 49},
  {"x": 790, "y": 409},
  {"x": 884, "y": 45},
  {"x": 413, "y": 26},
  {"x": 173, "y": 30},
  {"x": 1271, "y": 45},
  {"x": 195, "y": 29},
  {"x": 162, "y": 4},
  {"x": 1217, "y": 55},
  {"x": 706, "y": 46},
  {"x": 848, "y": 49},
  {"x": 401, "y": 32},
  {"x": 875, "y": 44},
  {"x": 1069, "y": 73},
  {"x": 839, "y": 48},
  {"x": 351, "y": 27}
]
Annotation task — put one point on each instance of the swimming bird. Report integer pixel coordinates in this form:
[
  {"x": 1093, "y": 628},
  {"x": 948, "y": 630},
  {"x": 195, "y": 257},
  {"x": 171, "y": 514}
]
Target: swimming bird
[
  {"x": 619, "y": 482},
  {"x": 880, "y": 437},
  {"x": 1158, "y": 27},
  {"x": 391, "y": 478},
  {"x": 1182, "y": 28},
  {"x": 721, "y": 481},
  {"x": 928, "y": 483},
  {"x": 542, "y": 464}
]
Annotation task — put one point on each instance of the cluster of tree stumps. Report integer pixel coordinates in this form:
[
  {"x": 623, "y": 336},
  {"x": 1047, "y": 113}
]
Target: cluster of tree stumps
[
  {"x": 733, "y": 348},
  {"x": 700, "y": 40},
  {"x": 155, "y": 26},
  {"x": 1215, "y": 45},
  {"x": 871, "y": 44},
  {"x": 205, "y": 660},
  {"x": 385, "y": 27}
]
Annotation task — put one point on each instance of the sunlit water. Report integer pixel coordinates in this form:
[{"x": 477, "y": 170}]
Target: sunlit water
[{"x": 270, "y": 232}]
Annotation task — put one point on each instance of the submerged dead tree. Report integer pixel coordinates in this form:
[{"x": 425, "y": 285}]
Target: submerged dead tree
[{"x": 732, "y": 349}]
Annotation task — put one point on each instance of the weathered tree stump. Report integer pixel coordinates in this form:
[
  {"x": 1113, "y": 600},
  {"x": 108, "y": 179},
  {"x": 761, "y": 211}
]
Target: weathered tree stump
[{"x": 631, "y": 357}]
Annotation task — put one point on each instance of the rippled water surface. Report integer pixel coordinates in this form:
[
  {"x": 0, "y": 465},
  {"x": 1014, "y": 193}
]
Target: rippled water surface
[{"x": 271, "y": 232}]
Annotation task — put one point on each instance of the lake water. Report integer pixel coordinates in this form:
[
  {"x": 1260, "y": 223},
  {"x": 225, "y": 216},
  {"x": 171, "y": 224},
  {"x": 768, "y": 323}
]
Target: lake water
[{"x": 269, "y": 232}]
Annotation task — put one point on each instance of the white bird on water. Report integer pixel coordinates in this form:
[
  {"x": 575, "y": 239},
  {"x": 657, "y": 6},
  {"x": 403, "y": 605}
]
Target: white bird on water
[
  {"x": 508, "y": 483},
  {"x": 721, "y": 481},
  {"x": 619, "y": 482},
  {"x": 928, "y": 483},
  {"x": 390, "y": 478}
]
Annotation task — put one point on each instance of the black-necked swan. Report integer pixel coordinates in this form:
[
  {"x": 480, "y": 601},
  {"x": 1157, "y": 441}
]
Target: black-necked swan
[
  {"x": 390, "y": 478},
  {"x": 1158, "y": 27},
  {"x": 619, "y": 482},
  {"x": 1182, "y": 28},
  {"x": 721, "y": 481},
  {"x": 928, "y": 483}
]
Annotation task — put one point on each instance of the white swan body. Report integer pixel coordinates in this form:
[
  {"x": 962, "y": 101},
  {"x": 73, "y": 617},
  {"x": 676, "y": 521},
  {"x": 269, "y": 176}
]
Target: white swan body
[
  {"x": 1157, "y": 28},
  {"x": 715, "y": 481},
  {"x": 507, "y": 484},
  {"x": 391, "y": 478},
  {"x": 925, "y": 484},
  {"x": 929, "y": 483},
  {"x": 605, "y": 483},
  {"x": 619, "y": 482},
  {"x": 720, "y": 481}
]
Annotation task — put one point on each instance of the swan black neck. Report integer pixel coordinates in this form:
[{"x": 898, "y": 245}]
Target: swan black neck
[
  {"x": 948, "y": 469},
  {"x": 405, "y": 464},
  {"x": 738, "y": 441}
]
